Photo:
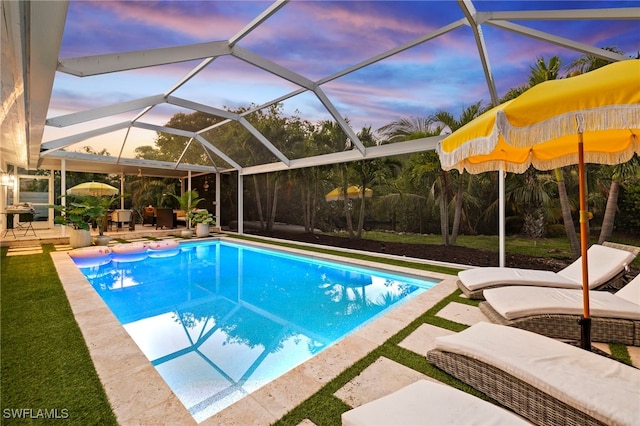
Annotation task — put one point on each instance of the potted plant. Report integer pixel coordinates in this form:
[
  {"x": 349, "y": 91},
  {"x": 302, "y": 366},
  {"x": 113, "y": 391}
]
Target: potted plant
[
  {"x": 188, "y": 201},
  {"x": 203, "y": 219},
  {"x": 101, "y": 205},
  {"x": 78, "y": 216}
]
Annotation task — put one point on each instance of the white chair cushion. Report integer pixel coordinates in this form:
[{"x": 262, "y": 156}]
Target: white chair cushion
[
  {"x": 605, "y": 389},
  {"x": 429, "y": 403},
  {"x": 604, "y": 263},
  {"x": 631, "y": 291},
  {"x": 513, "y": 302},
  {"x": 479, "y": 278}
]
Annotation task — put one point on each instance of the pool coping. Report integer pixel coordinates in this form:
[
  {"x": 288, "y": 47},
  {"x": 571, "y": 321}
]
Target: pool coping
[{"x": 139, "y": 395}]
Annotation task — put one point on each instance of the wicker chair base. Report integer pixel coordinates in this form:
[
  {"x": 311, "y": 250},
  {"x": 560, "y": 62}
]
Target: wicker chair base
[
  {"x": 608, "y": 330},
  {"x": 471, "y": 294},
  {"x": 526, "y": 400}
]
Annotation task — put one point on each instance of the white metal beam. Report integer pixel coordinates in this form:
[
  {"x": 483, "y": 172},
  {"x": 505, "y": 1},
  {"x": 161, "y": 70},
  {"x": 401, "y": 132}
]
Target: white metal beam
[
  {"x": 621, "y": 13},
  {"x": 272, "y": 67},
  {"x": 560, "y": 41},
  {"x": 106, "y": 111},
  {"x": 469, "y": 12},
  {"x": 415, "y": 42},
  {"x": 57, "y": 144},
  {"x": 399, "y": 148},
  {"x": 271, "y": 10},
  {"x": 123, "y": 61},
  {"x": 264, "y": 141},
  {"x": 240, "y": 204},
  {"x": 85, "y": 162},
  {"x": 340, "y": 120},
  {"x": 208, "y": 145},
  {"x": 202, "y": 108},
  {"x": 164, "y": 129}
]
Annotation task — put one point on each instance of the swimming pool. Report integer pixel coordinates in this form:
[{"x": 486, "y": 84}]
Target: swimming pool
[{"x": 220, "y": 320}]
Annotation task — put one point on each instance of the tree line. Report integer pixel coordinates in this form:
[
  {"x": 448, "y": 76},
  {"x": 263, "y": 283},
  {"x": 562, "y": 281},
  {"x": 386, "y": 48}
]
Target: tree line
[{"x": 411, "y": 193}]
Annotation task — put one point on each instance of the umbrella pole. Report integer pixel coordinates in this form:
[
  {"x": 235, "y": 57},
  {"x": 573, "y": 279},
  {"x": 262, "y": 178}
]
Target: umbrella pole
[{"x": 585, "y": 321}]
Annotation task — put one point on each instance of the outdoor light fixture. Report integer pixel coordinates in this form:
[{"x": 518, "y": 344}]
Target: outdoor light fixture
[{"x": 7, "y": 180}]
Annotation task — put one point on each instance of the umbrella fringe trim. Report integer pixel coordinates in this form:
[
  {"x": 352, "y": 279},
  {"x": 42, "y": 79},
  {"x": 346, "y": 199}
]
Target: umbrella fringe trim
[
  {"x": 549, "y": 164},
  {"x": 477, "y": 146},
  {"x": 596, "y": 119},
  {"x": 492, "y": 166},
  {"x": 589, "y": 157}
]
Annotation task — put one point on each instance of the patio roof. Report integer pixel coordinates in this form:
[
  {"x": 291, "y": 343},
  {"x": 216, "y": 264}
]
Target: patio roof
[{"x": 32, "y": 43}]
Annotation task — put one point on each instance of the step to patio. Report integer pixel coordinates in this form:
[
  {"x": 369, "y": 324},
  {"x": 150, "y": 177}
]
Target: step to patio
[{"x": 23, "y": 251}]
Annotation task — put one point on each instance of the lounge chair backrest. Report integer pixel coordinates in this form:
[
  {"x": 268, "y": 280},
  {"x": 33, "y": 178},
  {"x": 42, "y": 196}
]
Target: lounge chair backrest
[
  {"x": 122, "y": 215},
  {"x": 631, "y": 291},
  {"x": 604, "y": 264}
]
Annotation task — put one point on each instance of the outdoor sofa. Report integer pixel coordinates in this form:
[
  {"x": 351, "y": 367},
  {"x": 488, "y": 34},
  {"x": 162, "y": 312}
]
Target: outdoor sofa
[
  {"x": 554, "y": 312},
  {"x": 546, "y": 381},
  {"x": 608, "y": 264},
  {"x": 429, "y": 403}
]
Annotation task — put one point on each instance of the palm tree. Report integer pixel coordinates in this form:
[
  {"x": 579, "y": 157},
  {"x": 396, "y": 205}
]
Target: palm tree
[
  {"x": 529, "y": 195},
  {"x": 620, "y": 174},
  {"x": 404, "y": 129},
  {"x": 541, "y": 72},
  {"x": 415, "y": 127},
  {"x": 586, "y": 63},
  {"x": 429, "y": 170},
  {"x": 567, "y": 219},
  {"x": 370, "y": 173},
  {"x": 445, "y": 119}
]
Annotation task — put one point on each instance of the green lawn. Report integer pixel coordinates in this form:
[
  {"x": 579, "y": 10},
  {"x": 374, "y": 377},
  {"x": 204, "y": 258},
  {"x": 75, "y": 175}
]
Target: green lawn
[{"x": 44, "y": 360}]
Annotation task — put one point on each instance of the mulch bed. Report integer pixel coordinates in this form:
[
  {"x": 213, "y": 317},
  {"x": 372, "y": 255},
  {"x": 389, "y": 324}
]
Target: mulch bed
[{"x": 452, "y": 254}]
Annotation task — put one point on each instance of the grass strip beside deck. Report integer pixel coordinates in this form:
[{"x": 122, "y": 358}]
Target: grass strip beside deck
[{"x": 47, "y": 371}]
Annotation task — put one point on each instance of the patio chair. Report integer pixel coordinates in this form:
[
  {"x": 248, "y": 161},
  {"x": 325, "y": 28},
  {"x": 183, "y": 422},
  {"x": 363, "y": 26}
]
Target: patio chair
[
  {"x": 165, "y": 218},
  {"x": 120, "y": 217},
  {"x": 546, "y": 381},
  {"x": 554, "y": 312},
  {"x": 148, "y": 216},
  {"x": 429, "y": 403},
  {"x": 608, "y": 263}
]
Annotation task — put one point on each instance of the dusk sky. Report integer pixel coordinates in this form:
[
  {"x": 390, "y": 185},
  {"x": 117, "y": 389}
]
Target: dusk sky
[{"x": 315, "y": 39}]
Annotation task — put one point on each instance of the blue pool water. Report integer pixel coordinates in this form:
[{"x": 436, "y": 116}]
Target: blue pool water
[{"x": 220, "y": 320}]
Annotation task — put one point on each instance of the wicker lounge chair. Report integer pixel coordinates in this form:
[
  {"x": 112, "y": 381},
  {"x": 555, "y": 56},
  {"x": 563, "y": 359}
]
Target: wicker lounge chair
[
  {"x": 554, "y": 312},
  {"x": 429, "y": 403},
  {"x": 544, "y": 380},
  {"x": 608, "y": 264}
]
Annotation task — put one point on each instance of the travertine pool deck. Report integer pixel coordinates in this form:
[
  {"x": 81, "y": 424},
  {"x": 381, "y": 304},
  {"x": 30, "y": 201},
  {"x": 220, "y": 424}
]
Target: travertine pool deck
[{"x": 139, "y": 395}]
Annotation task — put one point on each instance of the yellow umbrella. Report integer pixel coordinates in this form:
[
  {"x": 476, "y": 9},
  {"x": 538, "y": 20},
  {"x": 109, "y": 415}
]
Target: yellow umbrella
[
  {"x": 96, "y": 189},
  {"x": 353, "y": 191},
  {"x": 590, "y": 118}
]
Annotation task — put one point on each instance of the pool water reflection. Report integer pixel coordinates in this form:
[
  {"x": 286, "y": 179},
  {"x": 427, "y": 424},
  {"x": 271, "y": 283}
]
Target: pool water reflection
[{"x": 220, "y": 320}]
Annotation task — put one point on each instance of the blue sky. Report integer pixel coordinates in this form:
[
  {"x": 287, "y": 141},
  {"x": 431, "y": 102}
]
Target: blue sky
[{"x": 316, "y": 39}]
